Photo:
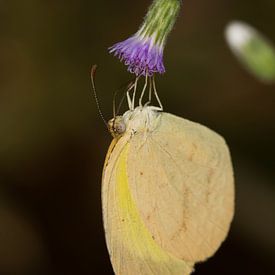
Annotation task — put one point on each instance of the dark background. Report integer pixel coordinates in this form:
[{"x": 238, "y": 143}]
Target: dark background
[{"x": 53, "y": 143}]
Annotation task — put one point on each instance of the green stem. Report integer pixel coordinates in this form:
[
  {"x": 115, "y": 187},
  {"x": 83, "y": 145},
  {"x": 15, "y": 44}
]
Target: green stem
[{"x": 160, "y": 20}]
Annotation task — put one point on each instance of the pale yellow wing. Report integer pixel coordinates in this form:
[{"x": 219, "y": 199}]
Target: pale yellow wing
[
  {"x": 181, "y": 180},
  {"x": 132, "y": 249}
]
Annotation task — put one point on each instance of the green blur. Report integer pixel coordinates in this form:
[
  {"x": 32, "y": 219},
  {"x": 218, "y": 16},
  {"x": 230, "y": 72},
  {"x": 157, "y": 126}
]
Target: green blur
[{"x": 259, "y": 57}]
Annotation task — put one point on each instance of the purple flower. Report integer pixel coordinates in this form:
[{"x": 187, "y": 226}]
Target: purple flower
[
  {"x": 143, "y": 52},
  {"x": 141, "y": 55}
]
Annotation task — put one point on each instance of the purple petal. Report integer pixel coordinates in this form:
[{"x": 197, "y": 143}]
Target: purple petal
[{"x": 141, "y": 56}]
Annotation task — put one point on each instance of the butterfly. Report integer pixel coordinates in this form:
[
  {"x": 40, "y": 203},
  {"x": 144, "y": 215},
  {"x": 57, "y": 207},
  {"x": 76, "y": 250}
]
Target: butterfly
[{"x": 167, "y": 190}]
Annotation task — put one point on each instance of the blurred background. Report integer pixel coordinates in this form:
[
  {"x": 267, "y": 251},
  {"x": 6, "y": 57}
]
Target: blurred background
[{"x": 53, "y": 142}]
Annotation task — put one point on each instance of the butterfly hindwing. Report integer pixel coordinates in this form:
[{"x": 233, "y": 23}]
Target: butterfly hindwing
[{"x": 181, "y": 180}]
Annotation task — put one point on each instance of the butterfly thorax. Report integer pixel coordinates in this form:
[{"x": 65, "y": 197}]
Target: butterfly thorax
[{"x": 141, "y": 119}]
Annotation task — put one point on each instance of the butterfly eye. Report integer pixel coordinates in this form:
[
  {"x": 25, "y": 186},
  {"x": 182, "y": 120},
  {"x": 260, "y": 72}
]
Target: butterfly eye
[
  {"x": 117, "y": 126},
  {"x": 120, "y": 127}
]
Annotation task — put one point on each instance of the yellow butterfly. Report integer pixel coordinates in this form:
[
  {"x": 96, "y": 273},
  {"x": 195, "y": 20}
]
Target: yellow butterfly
[{"x": 167, "y": 191}]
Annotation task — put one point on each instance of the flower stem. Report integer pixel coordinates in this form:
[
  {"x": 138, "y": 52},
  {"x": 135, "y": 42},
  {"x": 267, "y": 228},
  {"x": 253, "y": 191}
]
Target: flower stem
[{"x": 160, "y": 20}]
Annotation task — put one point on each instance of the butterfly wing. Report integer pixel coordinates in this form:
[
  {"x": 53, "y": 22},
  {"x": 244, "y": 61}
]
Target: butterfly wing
[
  {"x": 181, "y": 181},
  {"x": 132, "y": 249}
]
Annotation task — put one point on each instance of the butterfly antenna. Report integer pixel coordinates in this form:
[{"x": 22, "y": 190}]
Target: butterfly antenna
[
  {"x": 93, "y": 71},
  {"x": 129, "y": 86},
  {"x": 114, "y": 104},
  {"x": 128, "y": 89}
]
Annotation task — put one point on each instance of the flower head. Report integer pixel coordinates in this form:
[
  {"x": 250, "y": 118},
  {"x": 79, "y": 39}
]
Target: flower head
[
  {"x": 141, "y": 55},
  {"x": 143, "y": 52}
]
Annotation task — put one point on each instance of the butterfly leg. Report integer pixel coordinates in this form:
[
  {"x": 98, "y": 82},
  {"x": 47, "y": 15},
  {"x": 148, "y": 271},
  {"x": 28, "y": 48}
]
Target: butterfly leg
[
  {"x": 156, "y": 95},
  {"x": 143, "y": 91}
]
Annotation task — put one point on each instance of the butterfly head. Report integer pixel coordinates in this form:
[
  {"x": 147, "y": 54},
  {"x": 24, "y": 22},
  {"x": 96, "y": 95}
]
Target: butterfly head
[{"x": 117, "y": 126}]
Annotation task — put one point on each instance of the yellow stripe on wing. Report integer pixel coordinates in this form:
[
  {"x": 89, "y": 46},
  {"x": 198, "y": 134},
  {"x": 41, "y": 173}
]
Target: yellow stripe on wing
[{"x": 144, "y": 256}]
